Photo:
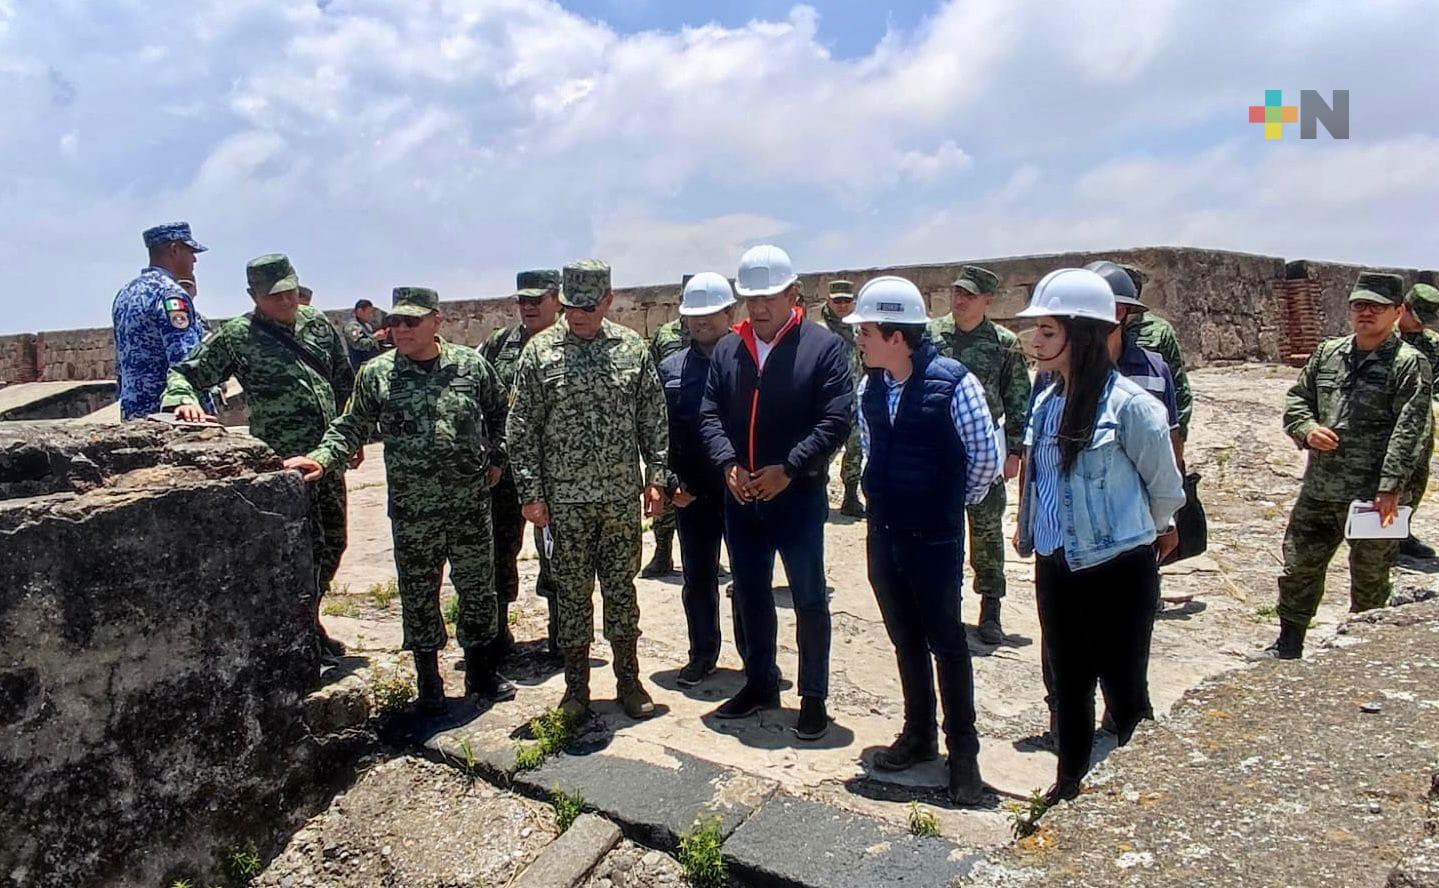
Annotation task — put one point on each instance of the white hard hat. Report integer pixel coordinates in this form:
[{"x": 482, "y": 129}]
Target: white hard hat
[
  {"x": 764, "y": 271},
  {"x": 888, "y": 300},
  {"x": 1072, "y": 293},
  {"x": 705, "y": 294}
]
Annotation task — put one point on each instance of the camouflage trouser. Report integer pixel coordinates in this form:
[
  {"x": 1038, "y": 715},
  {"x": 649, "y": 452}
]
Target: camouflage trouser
[
  {"x": 596, "y": 540},
  {"x": 849, "y": 465},
  {"x": 1420, "y": 484},
  {"x": 664, "y": 524},
  {"x": 509, "y": 531},
  {"x": 328, "y": 534},
  {"x": 423, "y": 543},
  {"x": 1316, "y": 528},
  {"x": 986, "y": 543}
]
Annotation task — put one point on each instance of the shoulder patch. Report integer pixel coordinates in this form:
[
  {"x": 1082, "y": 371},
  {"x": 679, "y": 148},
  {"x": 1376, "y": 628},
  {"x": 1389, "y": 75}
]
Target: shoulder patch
[{"x": 180, "y": 320}]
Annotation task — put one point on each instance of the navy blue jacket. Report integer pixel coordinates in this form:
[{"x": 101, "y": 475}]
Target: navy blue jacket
[
  {"x": 796, "y": 413},
  {"x": 684, "y": 375}
]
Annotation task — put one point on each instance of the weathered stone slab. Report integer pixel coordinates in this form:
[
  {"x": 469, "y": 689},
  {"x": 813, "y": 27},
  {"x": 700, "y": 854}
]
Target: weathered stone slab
[{"x": 568, "y": 859}]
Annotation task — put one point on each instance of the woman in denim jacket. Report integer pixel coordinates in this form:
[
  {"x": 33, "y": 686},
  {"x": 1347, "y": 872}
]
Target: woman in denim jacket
[{"x": 1097, "y": 500}]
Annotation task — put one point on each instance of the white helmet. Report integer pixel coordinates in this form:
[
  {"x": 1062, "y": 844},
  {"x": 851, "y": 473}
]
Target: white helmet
[
  {"x": 706, "y": 293},
  {"x": 1072, "y": 293},
  {"x": 764, "y": 271},
  {"x": 888, "y": 300}
]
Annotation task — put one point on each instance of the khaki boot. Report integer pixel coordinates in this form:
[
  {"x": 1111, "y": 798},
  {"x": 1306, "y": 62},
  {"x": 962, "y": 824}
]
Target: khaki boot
[
  {"x": 576, "y": 702},
  {"x": 633, "y": 697}
]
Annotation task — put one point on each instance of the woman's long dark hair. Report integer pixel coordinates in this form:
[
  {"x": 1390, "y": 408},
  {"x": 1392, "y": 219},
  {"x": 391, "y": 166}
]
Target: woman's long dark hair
[{"x": 1089, "y": 366}]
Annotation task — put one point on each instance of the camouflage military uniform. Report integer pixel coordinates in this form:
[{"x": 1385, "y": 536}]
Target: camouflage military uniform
[
  {"x": 1157, "y": 335},
  {"x": 671, "y": 338},
  {"x": 849, "y": 465},
  {"x": 439, "y": 428},
  {"x": 360, "y": 342},
  {"x": 1379, "y": 406},
  {"x": 992, "y": 354},
  {"x": 292, "y": 401}
]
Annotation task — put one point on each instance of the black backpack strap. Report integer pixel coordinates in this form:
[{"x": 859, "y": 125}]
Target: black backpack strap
[{"x": 285, "y": 338}]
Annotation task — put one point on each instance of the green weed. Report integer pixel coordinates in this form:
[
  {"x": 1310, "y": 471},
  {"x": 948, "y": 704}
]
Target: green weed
[
  {"x": 702, "y": 853},
  {"x": 1024, "y": 817},
  {"x": 451, "y": 609},
  {"x": 382, "y": 594},
  {"x": 342, "y": 608},
  {"x": 567, "y": 807},
  {"x": 243, "y": 862},
  {"x": 552, "y": 733},
  {"x": 922, "y": 822},
  {"x": 391, "y": 693}
]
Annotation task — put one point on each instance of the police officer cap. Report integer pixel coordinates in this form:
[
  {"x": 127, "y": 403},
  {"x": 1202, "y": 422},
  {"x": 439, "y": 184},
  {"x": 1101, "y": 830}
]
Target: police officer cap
[
  {"x": 1377, "y": 286},
  {"x": 1119, "y": 281},
  {"x": 271, "y": 273},
  {"x": 585, "y": 283},
  {"x": 172, "y": 231},
  {"x": 537, "y": 282},
  {"x": 979, "y": 281},
  {"x": 1423, "y": 300}
]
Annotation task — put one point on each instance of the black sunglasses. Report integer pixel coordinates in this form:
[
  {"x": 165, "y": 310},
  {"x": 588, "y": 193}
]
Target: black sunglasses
[
  {"x": 587, "y": 309},
  {"x": 404, "y": 321},
  {"x": 841, "y": 298}
]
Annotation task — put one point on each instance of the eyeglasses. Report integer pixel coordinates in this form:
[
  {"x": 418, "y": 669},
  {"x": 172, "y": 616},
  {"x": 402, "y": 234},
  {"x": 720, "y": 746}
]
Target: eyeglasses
[
  {"x": 1368, "y": 307},
  {"x": 529, "y": 300},
  {"x": 405, "y": 321},
  {"x": 587, "y": 309}
]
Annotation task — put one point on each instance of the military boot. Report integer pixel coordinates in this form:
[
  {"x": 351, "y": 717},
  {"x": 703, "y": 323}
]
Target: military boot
[
  {"x": 966, "y": 787},
  {"x": 482, "y": 677},
  {"x": 663, "y": 562},
  {"x": 552, "y": 635},
  {"x": 504, "y": 642},
  {"x": 990, "y": 630},
  {"x": 428, "y": 682},
  {"x": 575, "y": 705},
  {"x": 851, "y": 507},
  {"x": 1289, "y": 645},
  {"x": 633, "y": 696}
]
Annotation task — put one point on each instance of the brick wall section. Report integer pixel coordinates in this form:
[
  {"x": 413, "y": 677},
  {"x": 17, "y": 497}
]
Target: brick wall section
[{"x": 1223, "y": 304}]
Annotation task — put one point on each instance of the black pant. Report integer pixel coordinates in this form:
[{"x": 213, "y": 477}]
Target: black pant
[
  {"x": 701, "y": 528},
  {"x": 508, "y": 527},
  {"x": 916, "y": 581},
  {"x": 1096, "y": 624}
]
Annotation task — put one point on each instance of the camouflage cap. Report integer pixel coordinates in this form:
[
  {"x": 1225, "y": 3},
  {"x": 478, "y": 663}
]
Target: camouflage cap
[
  {"x": 1423, "y": 300},
  {"x": 172, "y": 231},
  {"x": 415, "y": 302},
  {"x": 841, "y": 288},
  {"x": 271, "y": 273},
  {"x": 585, "y": 283},
  {"x": 537, "y": 282},
  {"x": 1377, "y": 286},
  {"x": 979, "y": 281}
]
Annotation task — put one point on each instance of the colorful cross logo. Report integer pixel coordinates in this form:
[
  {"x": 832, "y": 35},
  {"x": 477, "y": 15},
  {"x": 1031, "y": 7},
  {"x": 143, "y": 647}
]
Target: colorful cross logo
[{"x": 1274, "y": 114}]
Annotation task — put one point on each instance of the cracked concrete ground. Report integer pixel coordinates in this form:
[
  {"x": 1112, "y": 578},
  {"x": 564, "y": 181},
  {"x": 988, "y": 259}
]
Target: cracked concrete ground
[{"x": 1251, "y": 476}]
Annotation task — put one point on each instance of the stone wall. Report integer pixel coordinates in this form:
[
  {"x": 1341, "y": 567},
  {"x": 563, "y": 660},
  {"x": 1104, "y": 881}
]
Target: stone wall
[
  {"x": 1221, "y": 303},
  {"x": 155, "y": 647}
]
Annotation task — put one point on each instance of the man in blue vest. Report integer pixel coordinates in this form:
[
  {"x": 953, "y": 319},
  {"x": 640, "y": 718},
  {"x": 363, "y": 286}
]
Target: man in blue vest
[{"x": 929, "y": 450}]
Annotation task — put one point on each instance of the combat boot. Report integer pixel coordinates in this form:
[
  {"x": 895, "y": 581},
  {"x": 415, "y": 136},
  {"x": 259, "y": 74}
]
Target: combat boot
[
  {"x": 966, "y": 787},
  {"x": 851, "y": 507},
  {"x": 633, "y": 696},
  {"x": 908, "y": 750},
  {"x": 428, "y": 682},
  {"x": 1289, "y": 645},
  {"x": 990, "y": 630},
  {"x": 504, "y": 643},
  {"x": 575, "y": 705},
  {"x": 552, "y": 634},
  {"x": 663, "y": 562},
  {"x": 1415, "y": 548},
  {"x": 482, "y": 677}
]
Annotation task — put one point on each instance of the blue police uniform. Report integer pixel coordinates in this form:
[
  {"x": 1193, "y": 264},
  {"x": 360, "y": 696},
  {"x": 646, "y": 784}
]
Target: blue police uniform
[{"x": 156, "y": 326}]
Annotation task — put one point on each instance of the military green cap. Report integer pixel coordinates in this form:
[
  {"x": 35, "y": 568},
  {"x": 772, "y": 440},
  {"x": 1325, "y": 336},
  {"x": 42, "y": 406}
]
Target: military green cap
[
  {"x": 585, "y": 283},
  {"x": 537, "y": 282},
  {"x": 1423, "y": 300},
  {"x": 271, "y": 273},
  {"x": 1376, "y": 286},
  {"x": 415, "y": 302},
  {"x": 841, "y": 288},
  {"x": 979, "y": 281}
]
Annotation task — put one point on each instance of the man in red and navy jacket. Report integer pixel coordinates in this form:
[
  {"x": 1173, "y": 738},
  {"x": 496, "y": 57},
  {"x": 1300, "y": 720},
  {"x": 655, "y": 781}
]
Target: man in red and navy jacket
[{"x": 778, "y": 404}]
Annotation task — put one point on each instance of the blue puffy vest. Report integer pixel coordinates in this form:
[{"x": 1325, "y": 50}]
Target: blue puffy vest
[{"x": 914, "y": 478}]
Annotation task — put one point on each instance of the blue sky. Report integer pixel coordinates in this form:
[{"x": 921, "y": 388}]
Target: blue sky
[{"x": 380, "y": 147}]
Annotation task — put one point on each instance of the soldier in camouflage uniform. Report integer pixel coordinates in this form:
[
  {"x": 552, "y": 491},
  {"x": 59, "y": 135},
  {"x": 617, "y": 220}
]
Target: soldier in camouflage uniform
[
  {"x": 1421, "y": 308},
  {"x": 537, "y": 296},
  {"x": 587, "y": 406},
  {"x": 1156, "y": 334},
  {"x": 671, "y": 338},
  {"x": 1361, "y": 408},
  {"x": 437, "y": 406},
  {"x": 293, "y": 369},
  {"x": 837, "y": 305},
  {"x": 992, "y": 354},
  {"x": 364, "y": 336}
]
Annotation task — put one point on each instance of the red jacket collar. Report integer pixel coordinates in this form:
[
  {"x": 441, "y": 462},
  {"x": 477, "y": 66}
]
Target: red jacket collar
[{"x": 745, "y": 330}]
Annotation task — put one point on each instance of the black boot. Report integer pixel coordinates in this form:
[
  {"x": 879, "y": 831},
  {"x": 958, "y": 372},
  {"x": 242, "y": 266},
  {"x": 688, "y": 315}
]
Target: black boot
[
  {"x": 482, "y": 678},
  {"x": 504, "y": 642},
  {"x": 851, "y": 507},
  {"x": 1289, "y": 645},
  {"x": 552, "y": 636},
  {"x": 990, "y": 630},
  {"x": 428, "y": 682},
  {"x": 1413, "y": 548},
  {"x": 966, "y": 787},
  {"x": 663, "y": 562},
  {"x": 907, "y": 750}
]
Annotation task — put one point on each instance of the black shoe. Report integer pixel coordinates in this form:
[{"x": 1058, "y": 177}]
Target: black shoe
[
  {"x": 851, "y": 507},
  {"x": 662, "y": 564},
  {"x": 504, "y": 643},
  {"x": 552, "y": 634},
  {"x": 482, "y": 679},
  {"x": 966, "y": 787},
  {"x": 695, "y": 671},
  {"x": 428, "y": 682},
  {"x": 1288, "y": 646},
  {"x": 813, "y": 720},
  {"x": 747, "y": 702},
  {"x": 990, "y": 630},
  {"x": 1061, "y": 792},
  {"x": 907, "y": 751},
  {"x": 1412, "y": 548}
]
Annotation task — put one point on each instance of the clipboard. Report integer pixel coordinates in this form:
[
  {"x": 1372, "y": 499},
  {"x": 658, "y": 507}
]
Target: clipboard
[{"x": 1363, "y": 523}]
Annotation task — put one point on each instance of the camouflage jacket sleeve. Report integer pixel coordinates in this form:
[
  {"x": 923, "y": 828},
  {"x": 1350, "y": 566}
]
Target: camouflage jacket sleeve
[
  {"x": 1414, "y": 430},
  {"x": 652, "y": 423},
  {"x": 352, "y": 427},
  {"x": 523, "y": 427},
  {"x": 1301, "y": 405},
  {"x": 1168, "y": 348},
  {"x": 1016, "y": 399},
  {"x": 212, "y": 362},
  {"x": 360, "y": 340}
]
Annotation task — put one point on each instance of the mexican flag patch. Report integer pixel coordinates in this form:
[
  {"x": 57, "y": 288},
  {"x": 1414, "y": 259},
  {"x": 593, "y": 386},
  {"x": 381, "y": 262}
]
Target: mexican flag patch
[{"x": 175, "y": 303}]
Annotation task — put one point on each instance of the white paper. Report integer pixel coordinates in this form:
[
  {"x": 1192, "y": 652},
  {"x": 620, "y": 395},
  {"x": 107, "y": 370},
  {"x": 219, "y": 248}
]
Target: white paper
[
  {"x": 549, "y": 540},
  {"x": 1363, "y": 523}
]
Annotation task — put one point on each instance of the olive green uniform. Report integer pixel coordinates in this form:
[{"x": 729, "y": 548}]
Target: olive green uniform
[
  {"x": 1426, "y": 342},
  {"x": 850, "y": 463},
  {"x": 1157, "y": 335},
  {"x": 671, "y": 337}
]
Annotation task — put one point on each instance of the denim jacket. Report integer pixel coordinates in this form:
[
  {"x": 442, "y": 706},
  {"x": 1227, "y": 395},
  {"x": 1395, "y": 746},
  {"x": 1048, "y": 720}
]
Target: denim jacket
[{"x": 1122, "y": 487}]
